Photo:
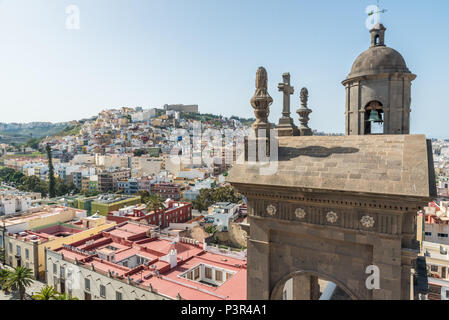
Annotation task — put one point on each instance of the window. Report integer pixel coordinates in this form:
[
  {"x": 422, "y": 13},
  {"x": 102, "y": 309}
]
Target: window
[
  {"x": 62, "y": 272},
  {"x": 434, "y": 268},
  {"x": 208, "y": 273},
  {"x": 55, "y": 268},
  {"x": 18, "y": 250},
  {"x": 118, "y": 295},
  {"x": 10, "y": 247},
  {"x": 218, "y": 275},
  {"x": 228, "y": 275},
  {"x": 87, "y": 284},
  {"x": 102, "y": 291},
  {"x": 197, "y": 273},
  {"x": 442, "y": 235},
  {"x": 1, "y": 241},
  {"x": 27, "y": 265},
  {"x": 27, "y": 254},
  {"x": 428, "y": 234}
]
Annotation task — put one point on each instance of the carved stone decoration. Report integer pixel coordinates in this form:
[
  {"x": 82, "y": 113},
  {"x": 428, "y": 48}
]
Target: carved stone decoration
[
  {"x": 331, "y": 217},
  {"x": 300, "y": 213},
  {"x": 303, "y": 113},
  {"x": 261, "y": 100},
  {"x": 367, "y": 221},
  {"x": 271, "y": 210}
]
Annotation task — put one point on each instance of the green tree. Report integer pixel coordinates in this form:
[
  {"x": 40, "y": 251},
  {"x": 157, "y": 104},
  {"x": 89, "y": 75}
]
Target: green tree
[
  {"x": 203, "y": 200},
  {"x": 144, "y": 196},
  {"x": 207, "y": 197},
  {"x": 4, "y": 276},
  {"x": 46, "y": 293},
  {"x": 155, "y": 203},
  {"x": 139, "y": 152},
  {"x": 51, "y": 173},
  {"x": 62, "y": 188},
  {"x": 34, "y": 184},
  {"x": 2, "y": 256},
  {"x": 65, "y": 296},
  {"x": 19, "y": 280},
  {"x": 33, "y": 143},
  {"x": 210, "y": 229}
]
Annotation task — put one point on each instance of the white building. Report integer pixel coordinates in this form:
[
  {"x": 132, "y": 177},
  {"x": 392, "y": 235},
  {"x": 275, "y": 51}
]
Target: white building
[
  {"x": 10, "y": 204},
  {"x": 144, "y": 115},
  {"x": 222, "y": 213}
]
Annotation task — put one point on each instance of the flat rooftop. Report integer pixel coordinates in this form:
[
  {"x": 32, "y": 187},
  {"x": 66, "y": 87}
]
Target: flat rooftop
[
  {"x": 36, "y": 213},
  {"x": 380, "y": 164}
]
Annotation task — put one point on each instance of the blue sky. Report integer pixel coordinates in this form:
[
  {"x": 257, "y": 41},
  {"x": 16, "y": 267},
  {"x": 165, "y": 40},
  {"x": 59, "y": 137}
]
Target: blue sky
[{"x": 148, "y": 53}]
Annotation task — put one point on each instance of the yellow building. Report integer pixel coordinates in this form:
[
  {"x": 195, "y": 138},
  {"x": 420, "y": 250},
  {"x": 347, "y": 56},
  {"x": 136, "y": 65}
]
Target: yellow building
[{"x": 27, "y": 248}]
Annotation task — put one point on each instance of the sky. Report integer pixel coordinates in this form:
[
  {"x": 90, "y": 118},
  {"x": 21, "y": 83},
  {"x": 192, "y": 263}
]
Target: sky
[{"x": 151, "y": 52}]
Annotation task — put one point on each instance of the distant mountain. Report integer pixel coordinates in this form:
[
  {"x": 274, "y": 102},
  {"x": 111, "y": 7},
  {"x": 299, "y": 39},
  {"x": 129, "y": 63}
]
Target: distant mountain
[{"x": 21, "y": 132}]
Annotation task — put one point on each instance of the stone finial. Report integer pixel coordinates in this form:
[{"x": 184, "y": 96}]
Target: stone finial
[
  {"x": 303, "y": 113},
  {"x": 261, "y": 100}
]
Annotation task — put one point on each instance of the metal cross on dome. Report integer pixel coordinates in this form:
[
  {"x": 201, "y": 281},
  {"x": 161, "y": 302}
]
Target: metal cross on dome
[{"x": 378, "y": 12}]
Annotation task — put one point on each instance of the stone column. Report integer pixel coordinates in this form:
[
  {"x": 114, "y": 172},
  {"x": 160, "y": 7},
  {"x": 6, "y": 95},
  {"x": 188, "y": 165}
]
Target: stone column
[
  {"x": 387, "y": 257},
  {"x": 305, "y": 287},
  {"x": 258, "y": 262}
]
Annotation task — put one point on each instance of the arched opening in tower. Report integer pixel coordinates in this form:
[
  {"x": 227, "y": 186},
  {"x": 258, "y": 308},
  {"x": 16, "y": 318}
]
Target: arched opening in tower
[
  {"x": 374, "y": 118},
  {"x": 376, "y": 40},
  {"x": 312, "y": 288}
]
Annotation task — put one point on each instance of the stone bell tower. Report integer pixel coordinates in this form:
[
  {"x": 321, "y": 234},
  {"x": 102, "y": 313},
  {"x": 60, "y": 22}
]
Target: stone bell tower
[{"x": 378, "y": 90}]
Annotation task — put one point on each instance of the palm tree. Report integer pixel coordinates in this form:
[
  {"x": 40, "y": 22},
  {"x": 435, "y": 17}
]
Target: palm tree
[
  {"x": 155, "y": 203},
  {"x": 20, "y": 279},
  {"x": 65, "y": 296},
  {"x": 2, "y": 256},
  {"x": 46, "y": 293},
  {"x": 4, "y": 276}
]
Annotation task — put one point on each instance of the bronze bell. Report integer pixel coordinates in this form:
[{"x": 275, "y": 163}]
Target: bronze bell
[{"x": 375, "y": 117}]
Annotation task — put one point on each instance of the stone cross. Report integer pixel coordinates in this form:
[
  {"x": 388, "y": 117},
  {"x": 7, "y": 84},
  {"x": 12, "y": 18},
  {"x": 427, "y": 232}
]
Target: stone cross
[
  {"x": 286, "y": 126},
  {"x": 288, "y": 90}
]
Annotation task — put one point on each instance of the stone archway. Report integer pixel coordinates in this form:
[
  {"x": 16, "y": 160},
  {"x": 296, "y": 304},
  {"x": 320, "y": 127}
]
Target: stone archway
[{"x": 276, "y": 293}]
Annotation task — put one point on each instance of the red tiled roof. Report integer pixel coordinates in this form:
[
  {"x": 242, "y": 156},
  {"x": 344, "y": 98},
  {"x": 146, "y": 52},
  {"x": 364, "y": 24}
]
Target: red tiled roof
[{"x": 169, "y": 282}]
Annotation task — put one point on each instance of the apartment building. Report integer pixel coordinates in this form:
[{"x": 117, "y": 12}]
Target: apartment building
[
  {"x": 133, "y": 262},
  {"x": 27, "y": 248}
]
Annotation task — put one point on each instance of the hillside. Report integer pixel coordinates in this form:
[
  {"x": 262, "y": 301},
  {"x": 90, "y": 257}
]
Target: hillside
[{"x": 20, "y": 133}]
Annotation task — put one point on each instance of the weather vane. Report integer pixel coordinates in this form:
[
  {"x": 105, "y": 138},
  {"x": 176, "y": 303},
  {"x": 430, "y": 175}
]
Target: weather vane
[{"x": 378, "y": 10}]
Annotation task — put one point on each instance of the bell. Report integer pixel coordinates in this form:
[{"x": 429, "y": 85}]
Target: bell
[{"x": 374, "y": 116}]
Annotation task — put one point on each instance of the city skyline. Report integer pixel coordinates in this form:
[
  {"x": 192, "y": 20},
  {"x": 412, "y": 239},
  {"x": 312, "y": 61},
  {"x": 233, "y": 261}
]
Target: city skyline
[{"x": 149, "y": 53}]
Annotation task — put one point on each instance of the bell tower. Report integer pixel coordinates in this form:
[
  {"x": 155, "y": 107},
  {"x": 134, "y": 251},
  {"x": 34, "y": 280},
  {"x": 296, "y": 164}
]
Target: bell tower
[
  {"x": 378, "y": 35},
  {"x": 378, "y": 90}
]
